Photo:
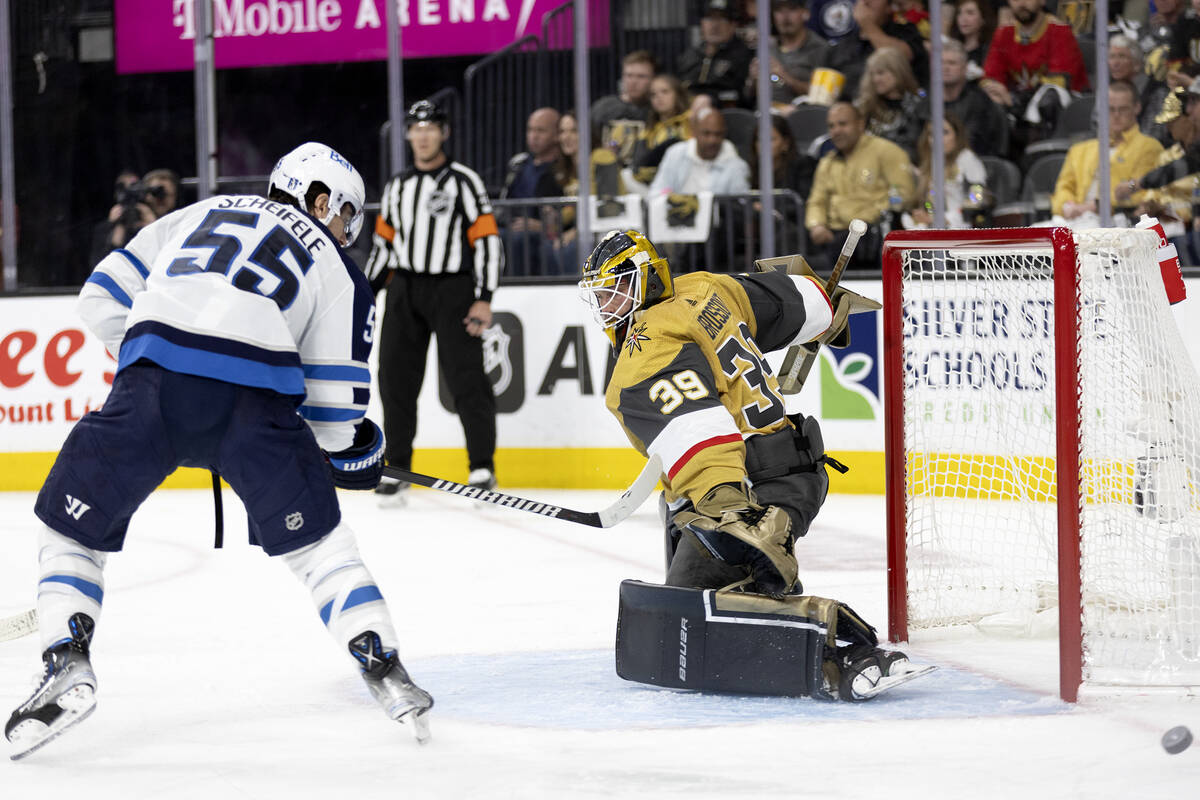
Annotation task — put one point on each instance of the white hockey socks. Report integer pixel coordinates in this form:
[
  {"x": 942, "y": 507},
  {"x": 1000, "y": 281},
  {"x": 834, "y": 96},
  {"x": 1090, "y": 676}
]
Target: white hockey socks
[
  {"x": 70, "y": 580},
  {"x": 343, "y": 591}
]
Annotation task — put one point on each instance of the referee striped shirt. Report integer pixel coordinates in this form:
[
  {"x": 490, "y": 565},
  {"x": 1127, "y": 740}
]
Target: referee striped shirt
[{"x": 437, "y": 222}]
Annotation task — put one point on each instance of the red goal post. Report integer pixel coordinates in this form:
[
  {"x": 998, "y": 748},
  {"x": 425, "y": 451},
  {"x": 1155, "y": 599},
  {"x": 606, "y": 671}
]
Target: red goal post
[{"x": 1035, "y": 445}]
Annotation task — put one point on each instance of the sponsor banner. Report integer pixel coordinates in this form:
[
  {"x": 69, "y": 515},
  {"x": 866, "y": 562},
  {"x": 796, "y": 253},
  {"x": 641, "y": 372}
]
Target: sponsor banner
[
  {"x": 52, "y": 372},
  {"x": 259, "y": 33},
  {"x": 548, "y": 363}
]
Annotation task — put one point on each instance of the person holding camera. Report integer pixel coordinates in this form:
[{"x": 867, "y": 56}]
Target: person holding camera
[{"x": 137, "y": 203}]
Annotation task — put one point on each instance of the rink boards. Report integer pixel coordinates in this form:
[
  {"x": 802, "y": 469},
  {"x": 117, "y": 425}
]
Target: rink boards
[{"x": 548, "y": 363}]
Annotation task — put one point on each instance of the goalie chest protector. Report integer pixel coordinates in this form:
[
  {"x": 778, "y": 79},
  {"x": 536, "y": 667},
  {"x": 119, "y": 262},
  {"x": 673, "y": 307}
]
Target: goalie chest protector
[{"x": 718, "y": 641}]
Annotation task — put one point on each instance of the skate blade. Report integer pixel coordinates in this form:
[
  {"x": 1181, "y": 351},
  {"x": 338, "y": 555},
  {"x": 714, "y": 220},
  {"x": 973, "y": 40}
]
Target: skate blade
[
  {"x": 419, "y": 717},
  {"x": 892, "y": 681},
  {"x": 77, "y": 704},
  {"x": 420, "y": 721}
]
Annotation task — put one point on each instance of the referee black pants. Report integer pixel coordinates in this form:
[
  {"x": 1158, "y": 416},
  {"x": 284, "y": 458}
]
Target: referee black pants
[{"x": 417, "y": 306}]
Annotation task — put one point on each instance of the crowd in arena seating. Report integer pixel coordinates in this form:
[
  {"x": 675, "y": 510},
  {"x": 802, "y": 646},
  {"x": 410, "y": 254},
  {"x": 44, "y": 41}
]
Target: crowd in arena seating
[{"x": 851, "y": 131}]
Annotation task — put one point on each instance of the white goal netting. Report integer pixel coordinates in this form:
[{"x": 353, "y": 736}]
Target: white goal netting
[{"x": 979, "y": 441}]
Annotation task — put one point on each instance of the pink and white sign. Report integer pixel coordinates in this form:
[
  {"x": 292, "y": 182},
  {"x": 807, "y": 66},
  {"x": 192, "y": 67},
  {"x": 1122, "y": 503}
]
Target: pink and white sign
[{"x": 159, "y": 35}]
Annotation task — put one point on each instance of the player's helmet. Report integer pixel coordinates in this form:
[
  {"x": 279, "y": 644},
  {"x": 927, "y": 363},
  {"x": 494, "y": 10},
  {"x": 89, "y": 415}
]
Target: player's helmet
[
  {"x": 312, "y": 162},
  {"x": 623, "y": 275},
  {"x": 424, "y": 111}
]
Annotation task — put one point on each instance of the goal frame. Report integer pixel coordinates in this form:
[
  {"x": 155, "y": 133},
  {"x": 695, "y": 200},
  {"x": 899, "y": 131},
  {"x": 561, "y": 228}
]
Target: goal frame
[{"x": 1065, "y": 258}]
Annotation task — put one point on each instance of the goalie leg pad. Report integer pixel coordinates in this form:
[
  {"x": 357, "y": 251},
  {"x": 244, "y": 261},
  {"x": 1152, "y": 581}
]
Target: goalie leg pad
[
  {"x": 727, "y": 641},
  {"x": 682, "y": 638},
  {"x": 694, "y": 567}
]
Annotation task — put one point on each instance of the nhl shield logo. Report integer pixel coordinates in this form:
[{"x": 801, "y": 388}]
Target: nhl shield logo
[
  {"x": 496, "y": 361},
  {"x": 438, "y": 203}
]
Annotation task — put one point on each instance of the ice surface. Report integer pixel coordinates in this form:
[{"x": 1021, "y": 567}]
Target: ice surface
[{"x": 217, "y": 679}]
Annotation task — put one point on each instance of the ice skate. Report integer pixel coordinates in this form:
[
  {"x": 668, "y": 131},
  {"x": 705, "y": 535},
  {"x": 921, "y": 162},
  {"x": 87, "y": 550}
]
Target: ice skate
[
  {"x": 401, "y": 699},
  {"x": 65, "y": 697},
  {"x": 392, "y": 493},
  {"x": 482, "y": 478},
  {"x": 868, "y": 672}
]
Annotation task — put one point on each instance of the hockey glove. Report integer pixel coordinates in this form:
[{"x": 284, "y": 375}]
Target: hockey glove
[
  {"x": 737, "y": 530},
  {"x": 845, "y": 303},
  {"x": 359, "y": 466}
]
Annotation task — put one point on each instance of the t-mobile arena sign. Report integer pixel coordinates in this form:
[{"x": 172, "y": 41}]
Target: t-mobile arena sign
[{"x": 159, "y": 35}]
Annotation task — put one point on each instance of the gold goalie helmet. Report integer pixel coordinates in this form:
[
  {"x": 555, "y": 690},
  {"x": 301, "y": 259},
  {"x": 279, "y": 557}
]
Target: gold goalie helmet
[{"x": 623, "y": 275}]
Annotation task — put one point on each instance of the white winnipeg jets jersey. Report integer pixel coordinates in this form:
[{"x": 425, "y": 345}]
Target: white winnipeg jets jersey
[{"x": 247, "y": 291}]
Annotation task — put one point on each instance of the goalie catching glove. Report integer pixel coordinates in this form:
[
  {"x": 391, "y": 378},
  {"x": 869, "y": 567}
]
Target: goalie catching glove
[
  {"x": 843, "y": 301},
  {"x": 359, "y": 466},
  {"x": 733, "y": 528}
]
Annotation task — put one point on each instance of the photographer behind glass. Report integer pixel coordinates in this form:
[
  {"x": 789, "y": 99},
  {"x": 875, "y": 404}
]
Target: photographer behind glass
[{"x": 137, "y": 204}]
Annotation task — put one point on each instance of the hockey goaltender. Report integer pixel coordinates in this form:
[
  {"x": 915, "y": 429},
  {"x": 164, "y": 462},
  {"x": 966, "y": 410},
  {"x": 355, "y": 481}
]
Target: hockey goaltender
[{"x": 743, "y": 479}]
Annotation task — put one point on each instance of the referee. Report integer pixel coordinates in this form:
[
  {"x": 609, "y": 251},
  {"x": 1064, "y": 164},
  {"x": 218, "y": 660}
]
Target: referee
[{"x": 437, "y": 249}]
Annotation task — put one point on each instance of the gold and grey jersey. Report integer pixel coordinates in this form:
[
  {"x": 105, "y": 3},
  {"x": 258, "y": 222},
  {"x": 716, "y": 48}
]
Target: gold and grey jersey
[
  {"x": 437, "y": 222},
  {"x": 691, "y": 383}
]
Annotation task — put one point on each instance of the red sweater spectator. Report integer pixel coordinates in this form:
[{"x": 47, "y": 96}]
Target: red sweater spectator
[{"x": 1023, "y": 57}]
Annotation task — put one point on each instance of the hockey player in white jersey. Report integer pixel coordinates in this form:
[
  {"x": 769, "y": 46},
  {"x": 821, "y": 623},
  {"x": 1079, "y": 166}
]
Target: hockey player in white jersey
[{"x": 241, "y": 334}]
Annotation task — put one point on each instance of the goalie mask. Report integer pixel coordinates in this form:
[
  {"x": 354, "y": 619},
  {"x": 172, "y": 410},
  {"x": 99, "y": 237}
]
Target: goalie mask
[
  {"x": 623, "y": 275},
  {"x": 313, "y": 162}
]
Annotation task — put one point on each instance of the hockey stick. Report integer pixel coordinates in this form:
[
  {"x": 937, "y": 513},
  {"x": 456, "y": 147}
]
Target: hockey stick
[
  {"x": 795, "y": 371},
  {"x": 18, "y": 625},
  {"x": 625, "y": 505}
]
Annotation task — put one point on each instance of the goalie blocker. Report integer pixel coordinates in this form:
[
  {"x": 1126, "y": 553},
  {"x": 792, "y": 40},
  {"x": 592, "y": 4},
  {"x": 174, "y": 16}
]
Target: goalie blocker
[{"x": 729, "y": 641}]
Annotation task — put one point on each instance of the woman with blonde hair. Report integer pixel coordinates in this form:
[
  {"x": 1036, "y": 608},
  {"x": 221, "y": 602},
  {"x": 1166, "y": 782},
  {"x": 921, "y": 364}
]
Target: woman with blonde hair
[
  {"x": 965, "y": 176},
  {"x": 891, "y": 101}
]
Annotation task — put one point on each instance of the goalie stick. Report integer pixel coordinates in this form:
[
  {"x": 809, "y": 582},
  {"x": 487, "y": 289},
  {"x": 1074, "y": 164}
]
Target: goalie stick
[
  {"x": 625, "y": 505},
  {"x": 18, "y": 625},
  {"x": 795, "y": 370}
]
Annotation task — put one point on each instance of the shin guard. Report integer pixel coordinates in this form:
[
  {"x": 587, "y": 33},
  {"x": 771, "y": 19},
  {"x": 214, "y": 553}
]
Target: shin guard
[
  {"x": 346, "y": 596},
  {"x": 70, "y": 581}
]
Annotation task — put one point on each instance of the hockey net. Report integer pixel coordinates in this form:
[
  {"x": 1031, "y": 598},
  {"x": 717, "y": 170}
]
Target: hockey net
[{"x": 1043, "y": 449}]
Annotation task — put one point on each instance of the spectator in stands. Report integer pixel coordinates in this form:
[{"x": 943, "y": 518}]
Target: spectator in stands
[
  {"x": 914, "y": 13},
  {"x": 791, "y": 169},
  {"x": 853, "y": 181},
  {"x": 1133, "y": 153},
  {"x": 718, "y": 66},
  {"x": 987, "y": 124},
  {"x": 794, "y": 56},
  {"x": 876, "y": 28},
  {"x": 890, "y": 100},
  {"x": 1168, "y": 190},
  {"x": 530, "y": 176},
  {"x": 708, "y": 162},
  {"x": 621, "y": 117},
  {"x": 973, "y": 24},
  {"x": 138, "y": 203},
  {"x": 1125, "y": 64},
  {"x": 1032, "y": 67},
  {"x": 604, "y": 182},
  {"x": 965, "y": 178},
  {"x": 1173, "y": 37},
  {"x": 669, "y": 122}
]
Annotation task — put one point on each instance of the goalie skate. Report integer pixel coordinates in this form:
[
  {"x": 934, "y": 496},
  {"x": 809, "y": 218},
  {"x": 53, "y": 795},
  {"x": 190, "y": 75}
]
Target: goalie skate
[
  {"x": 64, "y": 698},
  {"x": 871, "y": 672},
  {"x": 390, "y": 685}
]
